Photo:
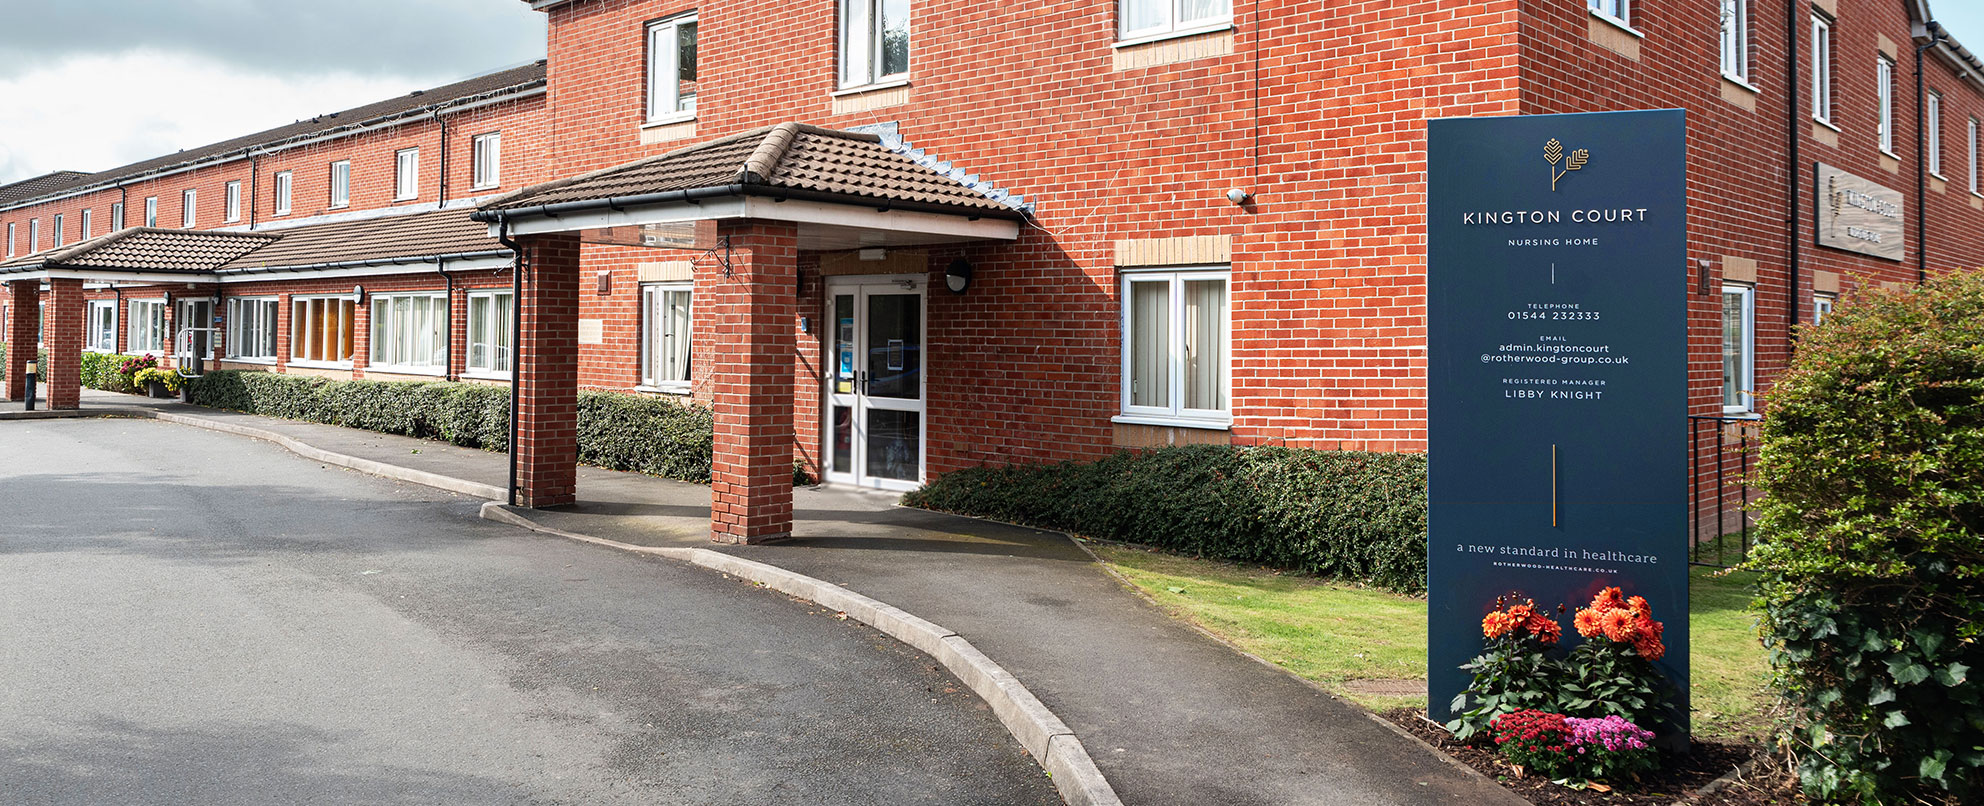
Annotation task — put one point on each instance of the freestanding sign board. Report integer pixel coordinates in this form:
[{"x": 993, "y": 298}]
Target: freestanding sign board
[{"x": 1557, "y": 374}]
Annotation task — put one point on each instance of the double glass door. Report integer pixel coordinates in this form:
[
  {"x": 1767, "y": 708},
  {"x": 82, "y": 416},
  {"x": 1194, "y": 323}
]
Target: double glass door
[
  {"x": 875, "y": 400},
  {"x": 196, "y": 315}
]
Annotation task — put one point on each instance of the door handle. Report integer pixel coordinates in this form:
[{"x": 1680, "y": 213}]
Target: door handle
[{"x": 861, "y": 380}]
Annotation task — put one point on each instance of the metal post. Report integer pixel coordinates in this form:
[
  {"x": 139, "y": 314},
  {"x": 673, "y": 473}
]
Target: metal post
[{"x": 31, "y": 381}]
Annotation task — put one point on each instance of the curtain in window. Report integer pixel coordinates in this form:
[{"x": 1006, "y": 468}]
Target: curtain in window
[
  {"x": 1150, "y": 343},
  {"x": 1732, "y": 349},
  {"x": 1197, "y": 11},
  {"x": 1205, "y": 344}
]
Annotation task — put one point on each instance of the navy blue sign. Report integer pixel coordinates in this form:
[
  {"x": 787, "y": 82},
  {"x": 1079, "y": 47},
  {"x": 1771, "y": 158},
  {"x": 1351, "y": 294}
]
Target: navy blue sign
[{"x": 1557, "y": 374}]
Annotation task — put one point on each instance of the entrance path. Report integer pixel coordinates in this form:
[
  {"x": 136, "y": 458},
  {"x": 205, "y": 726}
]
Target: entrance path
[{"x": 1168, "y": 715}]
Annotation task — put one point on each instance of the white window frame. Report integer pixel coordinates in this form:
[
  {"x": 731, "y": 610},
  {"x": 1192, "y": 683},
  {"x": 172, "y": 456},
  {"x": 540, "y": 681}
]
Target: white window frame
[
  {"x": 301, "y": 325},
  {"x": 340, "y": 184},
  {"x": 56, "y": 225},
  {"x": 385, "y": 335},
  {"x": 189, "y": 205},
  {"x": 665, "y": 104},
  {"x": 116, "y": 216},
  {"x": 1822, "y": 70},
  {"x": 1746, "y": 381},
  {"x": 656, "y": 328},
  {"x": 151, "y": 211},
  {"x": 1176, "y": 413},
  {"x": 1933, "y": 119},
  {"x": 1884, "y": 79},
  {"x": 1171, "y": 24},
  {"x": 486, "y": 161},
  {"x": 406, "y": 174},
  {"x": 10, "y": 239},
  {"x": 1616, "y": 11},
  {"x": 34, "y": 235},
  {"x": 145, "y": 329},
  {"x": 1735, "y": 37},
  {"x": 1822, "y": 305},
  {"x": 284, "y": 187},
  {"x": 493, "y": 336},
  {"x": 252, "y": 324},
  {"x": 1975, "y": 177},
  {"x": 868, "y": 41},
  {"x": 233, "y": 201},
  {"x": 87, "y": 225},
  {"x": 94, "y": 329}
]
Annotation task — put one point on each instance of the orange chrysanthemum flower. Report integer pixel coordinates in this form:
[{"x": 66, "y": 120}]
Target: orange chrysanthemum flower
[
  {"x": 1618, "y": 625},
  {"x": 1498, "y": 624},
  {"x": 1588, "y": 623}
]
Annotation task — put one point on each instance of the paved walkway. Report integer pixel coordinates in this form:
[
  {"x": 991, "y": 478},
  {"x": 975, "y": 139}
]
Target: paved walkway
[{"x": 1169, "y": 716}]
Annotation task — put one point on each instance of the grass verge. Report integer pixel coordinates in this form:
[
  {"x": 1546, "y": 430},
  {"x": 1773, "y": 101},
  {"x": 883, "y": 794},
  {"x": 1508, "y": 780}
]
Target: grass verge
[{"x": 1334, "y": 634}]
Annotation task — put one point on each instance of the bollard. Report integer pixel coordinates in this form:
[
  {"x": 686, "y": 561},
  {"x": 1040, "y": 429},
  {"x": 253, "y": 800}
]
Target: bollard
[{"x": 31, "y": 382}]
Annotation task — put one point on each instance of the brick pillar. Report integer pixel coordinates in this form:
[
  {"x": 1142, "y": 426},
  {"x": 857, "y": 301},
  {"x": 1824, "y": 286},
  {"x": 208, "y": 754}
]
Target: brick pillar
[
  {"x": 24, "y": 314},
  {"x": 64, "y": 372},
  {"x": 547, "y": 372},
  {"x": 752, "y": 382}
]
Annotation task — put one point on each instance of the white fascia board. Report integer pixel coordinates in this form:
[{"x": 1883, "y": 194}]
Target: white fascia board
[
  {"x": 384, "y": 269},
  {"x": 798, "y": 212},
  {"x": 113, "y": 276},
  {"x": 604, "y": 218}
]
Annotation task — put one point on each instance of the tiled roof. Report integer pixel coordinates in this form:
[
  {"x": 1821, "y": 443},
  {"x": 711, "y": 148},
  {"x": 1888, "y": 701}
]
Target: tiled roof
[
  {"x": 516, "y": 78},
  {"x": 788, "y": 160},
  {"x": 412, "y": 237},
  {"x": 147, "y": 249},
  {"x": 29, "y": 188}
]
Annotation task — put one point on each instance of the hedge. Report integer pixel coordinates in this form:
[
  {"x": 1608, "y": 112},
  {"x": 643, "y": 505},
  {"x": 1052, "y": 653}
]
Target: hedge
[
  {"x": 1344, "y": 514},
  {"x": 617, "y": 431},
  {"x": 99, "y": 371}
]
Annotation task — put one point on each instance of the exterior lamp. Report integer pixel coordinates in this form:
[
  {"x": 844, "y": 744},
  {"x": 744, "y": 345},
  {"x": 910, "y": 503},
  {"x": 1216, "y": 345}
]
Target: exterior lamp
[
  {"x": 957, "y": 277},
  {"x": 358, "y": 294}
]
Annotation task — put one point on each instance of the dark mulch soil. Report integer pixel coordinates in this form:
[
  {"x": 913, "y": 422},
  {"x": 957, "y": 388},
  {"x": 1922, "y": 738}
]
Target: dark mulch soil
[{"x": 1766, "y": 783}]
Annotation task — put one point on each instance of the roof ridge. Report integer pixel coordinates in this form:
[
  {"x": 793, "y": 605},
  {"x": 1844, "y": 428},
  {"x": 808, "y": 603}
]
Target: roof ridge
[{"x": 764, "y": 159}]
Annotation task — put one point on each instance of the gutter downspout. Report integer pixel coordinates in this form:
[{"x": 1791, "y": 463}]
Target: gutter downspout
[
  {"x": 1936, "y": 36},
  {"x": 516, "y": 341},
  {"x": 1797, "y": 173}
]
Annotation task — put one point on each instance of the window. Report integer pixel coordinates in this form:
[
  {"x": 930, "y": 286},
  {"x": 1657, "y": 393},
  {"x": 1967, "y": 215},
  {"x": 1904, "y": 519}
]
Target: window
[
  {"x": 151, "y": 211},
  {"x": 1884, "y": 78},
  {"x": 146, "y": 333},
  {"x": 341, "y": 183},
  {"x": 410, "y": 332},
  {"x": 100, "y": 332},
  {"x": 1821, "y": 70},
  {"x": 116, "y": 216},
  {"x": 233, "y": 205},
  {"x": 1148, "y": 18},
  {"x": 1739, "y": 349},
  {"x": 489, "y": 321},
  {"x": 282, "y": 192},
  {"x": 406, "y": 174},
  {"x": 487, "y": 163},
  {"x": 1973, "y": 156},
  {"x": 34, "y": 225},
  {"x": 874, "y": 41},
  {"x": 321, "y": 329},
  {"x": 1736, "y": 39},
  {"x": 1933, "y": 121},
  {"x": 58, "y": 229},
  {"x": 665, "y": 331},
  {"x": 88, "y": 230},
  {"x": 251, "y": 329},
  {"x": 1175, "y": 327},
  {"x": 188, "y": 205},
  {"x": 1821, "y": 308},
  {"x": 10, "y": 239},
  {"x": 672, "y": 69},
  {"x": 1619, "y": 10}
]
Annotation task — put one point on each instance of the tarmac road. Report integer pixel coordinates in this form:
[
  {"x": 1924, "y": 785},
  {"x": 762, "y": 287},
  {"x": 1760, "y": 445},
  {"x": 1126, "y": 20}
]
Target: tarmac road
[{"x": 193, "y": 617}]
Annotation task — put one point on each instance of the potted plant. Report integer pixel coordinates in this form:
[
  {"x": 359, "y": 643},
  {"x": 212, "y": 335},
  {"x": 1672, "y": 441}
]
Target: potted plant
[
  {"x": 130, "y": 368},
  {"x": 158, "y": 382}
]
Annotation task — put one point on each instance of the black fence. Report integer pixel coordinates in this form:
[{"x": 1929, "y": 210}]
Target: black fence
[{"x": 1719, "y": 451}]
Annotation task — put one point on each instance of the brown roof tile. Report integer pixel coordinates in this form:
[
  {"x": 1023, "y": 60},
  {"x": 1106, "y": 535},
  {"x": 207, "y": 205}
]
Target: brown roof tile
[
  {"x": 146, "y": 249},
  {"x": 29, "y": 188},
  {"x": 410, "y": 237}
]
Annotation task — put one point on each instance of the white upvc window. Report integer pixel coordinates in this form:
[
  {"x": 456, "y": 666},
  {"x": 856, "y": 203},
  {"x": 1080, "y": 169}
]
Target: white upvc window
[
  {"x": 1821, "y": 70},
  {"x": 410, "y": 332},
  {"x": 233, "y": 201},
  {"x": 491, "y": 314},
  {"x": 34, "y": 225},
  {"x": 1145, "y": 19},
  {"x": 874, "y": 41},
  {"x": 1974, "y": 174},
  {"x": 1176, "y": 346},
  {"x": 146, "y": 331},
  {"x": 58, "y": 229},
  {"x": 1619, "y": 11},
  {"x": 251, "y": 328},
  {"x": 1933, "y": 138},
  {"x": 283, "y": 185},
  {"x": 10, "y": 239},
  {"x": 1739, "y": 349},
  {"x": 116, "y": 216},
  {"x": 1736, "y": 39},
  {"x": 322, "y": 330},
  {"x": 151, "y": 211},
  {"x": 1822, "y": 308},
  {"x": 100, "y": 334},
  {"x": 88, "y": 229},
  {"x": 1884, "y": 80},
  {"x": 189, "y": 203},
  {"x": 672, "y": 69},
  {"x": 666, "y": 336},
  {"x": 486, "y": 163},
  {"x": 406, "y": 174},
  {"x": 341, "y": 183}
]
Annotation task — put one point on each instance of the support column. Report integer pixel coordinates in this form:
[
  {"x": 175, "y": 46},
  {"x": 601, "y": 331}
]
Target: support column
[
  {"x": 547, "y": 372},
  {"x": 752, "y": 381},
  {"x": 64, "y": 332},
  {"x": 24, "y": 315}
]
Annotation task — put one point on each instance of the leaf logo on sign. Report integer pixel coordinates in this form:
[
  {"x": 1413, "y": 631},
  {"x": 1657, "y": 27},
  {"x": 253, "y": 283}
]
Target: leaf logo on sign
[{"x": 1553, "y": 153}]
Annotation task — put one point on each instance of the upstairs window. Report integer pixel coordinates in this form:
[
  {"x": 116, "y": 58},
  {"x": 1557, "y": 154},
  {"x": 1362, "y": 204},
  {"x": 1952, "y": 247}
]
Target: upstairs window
[
  {"x": 341, "y": 183},
  {"x": 151, "y": 211},
  {"x": 487, "y": 158},
  {"x": 1974, "y": 177},
  {"x": 116, "y": 216},
  {"x": 1175, "y": 344},
  {"x": 1884, "y": 83},
  {"x": 10, "y": 239},
  {"x": 34, "y": 224},
  {"x": 1621, "y": 11},
  {"x": 1139, "y": 19},
  {"x": 282, "y": 188},
  {"x": 1933, "y": 121},
  {"x": 233, "y": 205},
  {"x": 88, "y": 229},
  {"x": 1822, "y": 70},
  {"x": 1736, "y": 39},
  {"x": 58, "y": 229},
  {"x": 672, "y": 69},
  {"x": 874, "y": 41},
  {"x": 188, "y": 203},
  {"x": 406, "y": 174}
]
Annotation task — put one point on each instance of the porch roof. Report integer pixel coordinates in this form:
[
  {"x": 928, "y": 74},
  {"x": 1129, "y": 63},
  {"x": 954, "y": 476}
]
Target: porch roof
[{"x": 147, "y": 250}]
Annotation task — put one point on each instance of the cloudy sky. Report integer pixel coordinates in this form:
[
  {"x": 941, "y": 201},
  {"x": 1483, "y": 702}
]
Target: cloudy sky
[{"x": 94, "y": 84}]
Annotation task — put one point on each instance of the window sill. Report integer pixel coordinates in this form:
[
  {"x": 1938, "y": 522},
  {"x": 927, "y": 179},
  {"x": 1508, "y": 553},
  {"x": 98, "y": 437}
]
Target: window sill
[
  {"x": 1939, "y": 176},
  {"x": 861, "y": 88},
  {"x": 1741, "y": 82},
  {"x": 1172, "y": 422},
  {"x": 390, "y": 369},
  {"x": 344, "y": 206},
  {"x": 484, "y": 375},
  {"x": 308, "y": 364},
  {"x": 485, "y": 187},
  {"x": 1616, "y": 23},
  {"x": 671, "y": 120},
  {"x": 670, "y": 389},
  {"x": 1828, "y": 124},
  {"x": 400, "y": 199},
  {"x": 1145, "y": 39},
  {"x": 239, "y": 360},
  {"x": 1743, "y": 414}
]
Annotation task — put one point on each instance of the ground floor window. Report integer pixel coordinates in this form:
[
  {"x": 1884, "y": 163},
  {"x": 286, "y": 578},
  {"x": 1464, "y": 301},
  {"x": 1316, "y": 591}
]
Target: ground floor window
[
  {"x": 321, "y": 329},
  {"x": 102, "y": 326},
  {"x": 410, "y": 331},
  {"x": 147, "y": 330},
  {"x": 1821, "y": 308},
  {"x": 251, "y": 329},
  {"x": 1175, "y": 342},
  {"x": 490, "y": 318},
  {"x": 665, "y": 348},
  {"x": 1739, "y": 348}
]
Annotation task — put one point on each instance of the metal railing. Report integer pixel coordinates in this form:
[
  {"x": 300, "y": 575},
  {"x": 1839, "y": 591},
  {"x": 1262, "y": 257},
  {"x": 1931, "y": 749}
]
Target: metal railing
[{"x": 1731, "y": 434}]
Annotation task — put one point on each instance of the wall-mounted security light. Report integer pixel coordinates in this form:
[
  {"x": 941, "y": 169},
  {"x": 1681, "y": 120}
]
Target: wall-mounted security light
[
  {"x": 957, "y": 276},
  {"x": 1238, "y": 196},
  {"x": 358, "y": 294}
]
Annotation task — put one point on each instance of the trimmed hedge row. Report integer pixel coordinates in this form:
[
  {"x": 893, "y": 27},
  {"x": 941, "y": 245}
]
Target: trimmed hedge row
[
  {"x": 100, "y": 372},
  {"x": 1345, "y": 514},
  {"x": 616, "y": 431}
]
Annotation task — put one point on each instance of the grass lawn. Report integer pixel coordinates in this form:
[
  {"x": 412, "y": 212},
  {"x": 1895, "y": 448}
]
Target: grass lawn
[{"x": 1334, "y": 633}]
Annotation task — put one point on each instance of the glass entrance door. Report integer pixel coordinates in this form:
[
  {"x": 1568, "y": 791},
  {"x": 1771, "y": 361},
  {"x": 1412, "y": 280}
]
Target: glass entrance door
[
  {"x": 198, "y": 316},
  {"x": 875, "y": 405}
]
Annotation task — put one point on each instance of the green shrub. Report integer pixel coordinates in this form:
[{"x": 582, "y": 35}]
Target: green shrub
[
  {"x": 1871, "y": 547},
  {"x": 616, "y": 430},
  {"x": 1341, "y": 514},
  {"x": 100, "y": 371}
]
